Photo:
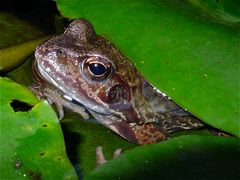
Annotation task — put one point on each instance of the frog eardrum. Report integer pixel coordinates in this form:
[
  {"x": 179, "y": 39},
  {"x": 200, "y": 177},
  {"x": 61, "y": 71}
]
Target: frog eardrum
[{"x": 84, "y": 72}]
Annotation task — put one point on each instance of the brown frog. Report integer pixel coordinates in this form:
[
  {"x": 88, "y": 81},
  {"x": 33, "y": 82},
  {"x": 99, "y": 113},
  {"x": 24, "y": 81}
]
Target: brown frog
[{"x": 84, "y": 72}]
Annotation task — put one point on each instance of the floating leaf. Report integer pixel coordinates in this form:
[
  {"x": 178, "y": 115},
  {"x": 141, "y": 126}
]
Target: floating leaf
[
  {"x": 185, "y": 157},
  {"x": 31, "y": 140}
]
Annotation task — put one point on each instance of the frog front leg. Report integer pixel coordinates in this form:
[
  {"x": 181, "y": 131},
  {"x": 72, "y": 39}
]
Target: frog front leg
[
  {"x": 59, "y": 100},
  {"x": 139, "y": 133}
]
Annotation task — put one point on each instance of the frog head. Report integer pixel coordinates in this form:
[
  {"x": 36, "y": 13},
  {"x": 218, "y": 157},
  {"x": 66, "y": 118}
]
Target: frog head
[{"x": 92, "y": 72}]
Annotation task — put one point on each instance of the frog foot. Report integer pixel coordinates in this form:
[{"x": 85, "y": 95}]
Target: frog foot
[
  {"x": 100, "y": 156},
  {"x": 218, "y": 132}
]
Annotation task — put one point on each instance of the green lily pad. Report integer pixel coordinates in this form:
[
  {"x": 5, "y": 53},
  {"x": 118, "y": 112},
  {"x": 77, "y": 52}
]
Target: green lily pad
[
  {"x": 187, "y": 49},
  {"x": 186, "y": 157},
  {"x": 31, "y": 139}
]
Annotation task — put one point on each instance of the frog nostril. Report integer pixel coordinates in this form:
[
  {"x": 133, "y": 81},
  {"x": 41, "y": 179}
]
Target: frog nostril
[
  {"x": 59, "y": 52},
  {"x": 61, "y": 57}
]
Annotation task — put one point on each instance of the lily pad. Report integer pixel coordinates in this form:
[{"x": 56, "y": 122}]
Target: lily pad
[
  {"x": 187, "y": 49},
  {"x": 31, "y": 140},
  {"x": 186, "y": 157}
]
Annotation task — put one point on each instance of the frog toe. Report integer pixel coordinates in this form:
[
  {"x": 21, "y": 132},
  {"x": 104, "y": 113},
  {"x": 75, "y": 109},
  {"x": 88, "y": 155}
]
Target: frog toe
[{"x": 100, "y": 156}]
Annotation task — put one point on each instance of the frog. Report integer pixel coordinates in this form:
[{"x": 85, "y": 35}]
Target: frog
[{"x": 84, "y": 72}]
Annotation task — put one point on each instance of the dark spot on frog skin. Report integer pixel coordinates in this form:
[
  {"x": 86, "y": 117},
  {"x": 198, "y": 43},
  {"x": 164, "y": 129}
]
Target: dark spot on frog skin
[{"x": 18, "y": 105}]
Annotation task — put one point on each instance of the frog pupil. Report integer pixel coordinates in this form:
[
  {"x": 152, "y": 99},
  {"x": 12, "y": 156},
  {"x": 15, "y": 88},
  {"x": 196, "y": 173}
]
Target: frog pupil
[{"x": 97, "y": 69}]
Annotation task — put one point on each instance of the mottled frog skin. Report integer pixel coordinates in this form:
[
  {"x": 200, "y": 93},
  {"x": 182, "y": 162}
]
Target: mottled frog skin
[{"x": 84, "y": 72}]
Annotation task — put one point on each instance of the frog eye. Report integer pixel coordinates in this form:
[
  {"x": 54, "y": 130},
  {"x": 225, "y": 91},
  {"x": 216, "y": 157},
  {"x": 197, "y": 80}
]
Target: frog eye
[{"x": 97, "y": 68}]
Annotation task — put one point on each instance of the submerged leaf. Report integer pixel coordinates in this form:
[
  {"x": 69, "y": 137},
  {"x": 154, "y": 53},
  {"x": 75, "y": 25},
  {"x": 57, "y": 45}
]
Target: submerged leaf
[
  {"x": 15, "y": 31},
  {"x": 18, "y": 40},
  {"x": 11, "y": 57}
]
